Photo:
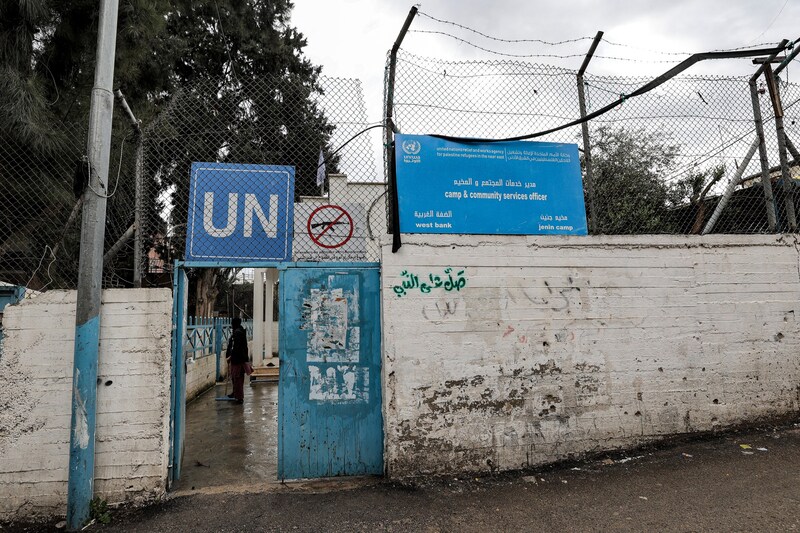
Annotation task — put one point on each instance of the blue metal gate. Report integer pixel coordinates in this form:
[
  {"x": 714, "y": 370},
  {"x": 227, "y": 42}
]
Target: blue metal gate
[{"x": 329, "y": 408}]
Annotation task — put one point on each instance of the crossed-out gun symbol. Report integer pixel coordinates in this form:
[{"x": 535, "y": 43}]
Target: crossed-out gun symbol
[{"x": 328, "y": 224}]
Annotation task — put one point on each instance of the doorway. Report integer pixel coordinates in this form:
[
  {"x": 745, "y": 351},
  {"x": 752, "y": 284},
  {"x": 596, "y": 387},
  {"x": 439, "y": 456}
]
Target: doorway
[{"x": 322, "y": 418}]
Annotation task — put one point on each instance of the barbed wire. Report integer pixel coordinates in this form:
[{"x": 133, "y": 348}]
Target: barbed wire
[
  {"x": 560, "y": 43},
  {"x": 682, "y": 53},
  {"x": 498, "y": 39},
  {"x": 532, "y": 55},
  {"x": 509, "y": 98}
]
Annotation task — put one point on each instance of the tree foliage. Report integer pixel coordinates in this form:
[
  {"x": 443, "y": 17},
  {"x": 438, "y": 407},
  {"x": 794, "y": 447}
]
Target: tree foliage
[
  {"x": 208, "y": 54},
  {"x": 47, "y": 54},
  {"x": 630, "y": 193}
]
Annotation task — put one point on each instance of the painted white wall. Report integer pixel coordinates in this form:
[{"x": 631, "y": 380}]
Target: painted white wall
[
  {"x": 558, "y": 346},
  {"x": 368, "y": 194},
  {"x": 133, "y": 408},
  {"x": 263, "y": 332}
]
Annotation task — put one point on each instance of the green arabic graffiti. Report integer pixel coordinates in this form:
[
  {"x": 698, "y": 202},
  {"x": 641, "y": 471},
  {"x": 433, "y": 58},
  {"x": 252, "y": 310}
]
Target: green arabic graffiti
[{"x": 447, "y": 282}]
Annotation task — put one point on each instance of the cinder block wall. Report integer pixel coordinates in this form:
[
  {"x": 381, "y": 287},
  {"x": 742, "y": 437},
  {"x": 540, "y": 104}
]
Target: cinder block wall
[
  {"x": 201, "y": 373},
  {"x": 556, "y": 346},
  {"x": 133, "y": 405}
]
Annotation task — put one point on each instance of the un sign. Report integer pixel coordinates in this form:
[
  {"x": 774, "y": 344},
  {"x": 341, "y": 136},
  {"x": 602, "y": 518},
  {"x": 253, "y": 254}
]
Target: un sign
[{"x": 240, "y": 213}]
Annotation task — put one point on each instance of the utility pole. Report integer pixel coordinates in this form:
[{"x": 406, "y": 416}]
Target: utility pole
[{"x": 80, "y": 486}]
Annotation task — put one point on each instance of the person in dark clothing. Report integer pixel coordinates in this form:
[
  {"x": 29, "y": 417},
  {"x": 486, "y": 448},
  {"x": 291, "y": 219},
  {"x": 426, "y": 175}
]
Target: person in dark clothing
[{"x": 237, "y": 357}]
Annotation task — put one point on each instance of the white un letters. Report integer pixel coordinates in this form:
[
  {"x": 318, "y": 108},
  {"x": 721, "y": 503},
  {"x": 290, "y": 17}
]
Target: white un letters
[{"x": 251, "y": 207}]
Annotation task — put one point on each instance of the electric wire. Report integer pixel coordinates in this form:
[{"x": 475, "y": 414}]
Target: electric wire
[
  {"x": 773, "y": 20},
  {"x": 119, "y": 172},
  {"x": 227, "y": 47}
]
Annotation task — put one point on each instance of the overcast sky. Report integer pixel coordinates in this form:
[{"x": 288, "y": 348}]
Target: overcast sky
[{"x": 350, "y": 38}]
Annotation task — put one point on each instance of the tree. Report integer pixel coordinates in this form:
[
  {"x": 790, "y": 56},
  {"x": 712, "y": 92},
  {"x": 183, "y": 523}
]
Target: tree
[
  {"x": 244, "y": 93},
  {"x": 694, "y": 189},
  {"x": 47, "y": 52},
  {"x": 630, "y": 192},
  {"x": 236, "y": 65}
]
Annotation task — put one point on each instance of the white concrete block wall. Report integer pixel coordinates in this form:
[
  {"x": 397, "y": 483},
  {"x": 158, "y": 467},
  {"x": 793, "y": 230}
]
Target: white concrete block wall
[
  {"x": 201, "y": 373},
  {"x": 368, "y": 194},
  {"x": 133, "y": 406},
  {"x": 557, "y": 346}
]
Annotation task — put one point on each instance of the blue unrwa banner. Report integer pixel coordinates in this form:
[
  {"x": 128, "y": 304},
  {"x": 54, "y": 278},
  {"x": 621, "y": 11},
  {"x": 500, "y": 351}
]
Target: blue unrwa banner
[
  {"x": 240, "y": 212},
  {"x": 513, "y": 188}
]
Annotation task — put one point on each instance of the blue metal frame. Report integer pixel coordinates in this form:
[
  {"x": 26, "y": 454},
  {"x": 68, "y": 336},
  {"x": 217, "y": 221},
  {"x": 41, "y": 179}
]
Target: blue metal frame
[
  {"x": 178, "y": 376},
  {"x": 281, "y": 357},
  {"x": 218, "y": 333},
  {"x": 9, "y": 295},
  {"x": 207, "y": 335},
  {"x": 273, "y": 264}
]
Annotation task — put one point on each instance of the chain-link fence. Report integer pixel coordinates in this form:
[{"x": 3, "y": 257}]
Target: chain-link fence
[
  {"x": 41, "y": 181},
  {"x": 662, "y": 162},
  {"x": 277, "y": 131},
  {"x": 673, "y": 160},
  {"x": 274, "y": 122}
]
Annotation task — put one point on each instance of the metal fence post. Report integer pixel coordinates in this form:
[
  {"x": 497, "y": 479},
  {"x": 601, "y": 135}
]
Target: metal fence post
[
  {"x": 769, "y": 199},
  {"x": 788, "y": 190},
  {"x": 394, "y": 216},
  {"x": 218, "y": 346},
  {"x": 587, "y": 151},
  {"x": 80, "y": 484},
  {"x": 137, "y": 213}
]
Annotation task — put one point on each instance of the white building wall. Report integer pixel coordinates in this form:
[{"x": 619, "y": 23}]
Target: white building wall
[
  {"x": 368, "y": 205},
  {"x": 371, "y": 196},
  {"x": 133, "y": 407},
  {"x": 558, "y": 346}
]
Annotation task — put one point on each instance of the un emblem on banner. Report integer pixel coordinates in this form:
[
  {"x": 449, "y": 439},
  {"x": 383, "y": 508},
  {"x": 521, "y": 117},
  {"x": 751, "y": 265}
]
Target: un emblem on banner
[{"x": 411, "y": 147}]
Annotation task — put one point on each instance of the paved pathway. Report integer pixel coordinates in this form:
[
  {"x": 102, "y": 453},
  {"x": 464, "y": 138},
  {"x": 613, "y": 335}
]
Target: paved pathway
[
  {"x": 231, "y": 445},
  {"x": 713, "y": 485}
]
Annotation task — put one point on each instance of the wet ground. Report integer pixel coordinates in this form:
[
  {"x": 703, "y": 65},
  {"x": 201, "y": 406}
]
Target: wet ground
[
  {"x": 745, "y": 481},
  {"x": 231, "y": 445},
  {"x": 736, "y": 481}
]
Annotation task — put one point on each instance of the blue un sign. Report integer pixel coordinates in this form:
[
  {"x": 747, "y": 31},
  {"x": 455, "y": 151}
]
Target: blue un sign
[{"x": 240, "y": 213}]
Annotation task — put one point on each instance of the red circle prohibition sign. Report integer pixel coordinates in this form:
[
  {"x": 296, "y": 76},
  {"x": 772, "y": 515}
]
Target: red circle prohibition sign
[{"x": 317, "y": 230}]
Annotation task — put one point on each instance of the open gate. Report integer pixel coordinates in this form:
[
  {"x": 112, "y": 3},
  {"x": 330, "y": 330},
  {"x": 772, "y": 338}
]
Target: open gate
[{"x": 329, "y": 411}]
